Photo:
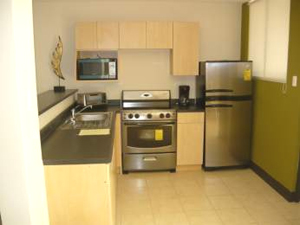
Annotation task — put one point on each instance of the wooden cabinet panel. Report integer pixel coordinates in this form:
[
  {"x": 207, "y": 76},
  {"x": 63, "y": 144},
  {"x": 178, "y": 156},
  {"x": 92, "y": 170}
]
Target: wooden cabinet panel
[
  {"x": 133, "y": 35},
  {"x": 185, "y": 55},
  {"x": 190, "y": 117},
  {"x": 77, "y": 194},
  {"x": 86, "y": 36},
  {"x": 159, "y": 35},
  {"x": 108, "y": 35},
  {"x": 117, "y": 144},
  {"x": 190, "y": 136},
  {"x": 82, "y": 194},
  {"x": 112, "y": 190}
]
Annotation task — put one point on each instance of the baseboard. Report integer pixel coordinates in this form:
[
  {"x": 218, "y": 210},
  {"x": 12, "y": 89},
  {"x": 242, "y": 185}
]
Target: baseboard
[{"x": 283, "y": 191}]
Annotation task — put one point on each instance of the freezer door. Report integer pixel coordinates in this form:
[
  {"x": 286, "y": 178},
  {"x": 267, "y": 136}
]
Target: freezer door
[
  {"x": 227, "y": 133},
  {"x": 228, "y": 78}
]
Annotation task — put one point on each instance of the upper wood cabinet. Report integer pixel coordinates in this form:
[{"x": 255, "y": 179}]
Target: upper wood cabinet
[
  {"x": 159, "y": 35},
  {"x": 132, "y": 35},
  {"x": 107, "y": 35},
  {"x": 86, "y": 36},
  {"x": 97, "y": 36},
  {"x": 185, "y": 55}
]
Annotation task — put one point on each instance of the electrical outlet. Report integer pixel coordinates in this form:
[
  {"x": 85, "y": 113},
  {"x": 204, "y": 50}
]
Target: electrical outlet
[{"x": 294, "y": 81}]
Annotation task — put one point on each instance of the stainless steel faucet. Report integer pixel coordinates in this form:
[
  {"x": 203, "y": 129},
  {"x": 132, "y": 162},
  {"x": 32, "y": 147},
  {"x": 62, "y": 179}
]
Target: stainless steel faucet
[{"x": 74, "y": 113}]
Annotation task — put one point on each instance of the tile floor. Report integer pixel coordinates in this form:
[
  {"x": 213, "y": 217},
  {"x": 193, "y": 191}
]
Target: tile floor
[{"x": 236, "y": 197}]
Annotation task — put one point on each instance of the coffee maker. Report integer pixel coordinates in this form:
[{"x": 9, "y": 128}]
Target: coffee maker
[{"x": 184, "y": 93}]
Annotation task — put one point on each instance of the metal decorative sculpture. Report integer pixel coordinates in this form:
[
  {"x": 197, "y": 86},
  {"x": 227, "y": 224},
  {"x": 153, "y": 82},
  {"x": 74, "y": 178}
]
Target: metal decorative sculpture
[{"x": 55, "y": 62}]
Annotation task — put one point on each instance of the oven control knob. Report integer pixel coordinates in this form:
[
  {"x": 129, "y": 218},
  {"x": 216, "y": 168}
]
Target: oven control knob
[
  {"x": 130, "y": 116},
  {"x": 137, "y": 116},
  {"x": 149, "y": 115},
  {"x": 161, "y": 116},
  {"x": 168, "y": 115}
]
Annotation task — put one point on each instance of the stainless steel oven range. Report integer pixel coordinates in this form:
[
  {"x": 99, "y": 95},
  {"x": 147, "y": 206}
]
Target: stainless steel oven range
[{"x": 148, "y": 131}]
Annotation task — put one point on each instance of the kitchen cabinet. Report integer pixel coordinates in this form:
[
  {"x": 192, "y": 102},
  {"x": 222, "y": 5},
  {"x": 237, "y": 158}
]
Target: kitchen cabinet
[
  {"x": 159, "y": 35},
  {"x": 107, "y": 35},
  {"x": 81, "y": 193},
  {"x": 132, "y": 35},
  {"x": 118, "y": 145},
  {"x": 190, "y": 136},
  {"x": 86, "y": 36},
  {"x": 185, "y": 54}
]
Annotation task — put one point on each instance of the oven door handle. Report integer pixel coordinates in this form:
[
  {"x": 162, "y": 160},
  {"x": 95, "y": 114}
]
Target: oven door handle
[
  {"x": 139, "y": 124},
  {"x": 137, "y": 148}
]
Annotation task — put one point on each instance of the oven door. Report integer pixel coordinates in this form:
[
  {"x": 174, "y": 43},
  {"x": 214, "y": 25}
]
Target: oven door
[{"x": 149, "y": 137}]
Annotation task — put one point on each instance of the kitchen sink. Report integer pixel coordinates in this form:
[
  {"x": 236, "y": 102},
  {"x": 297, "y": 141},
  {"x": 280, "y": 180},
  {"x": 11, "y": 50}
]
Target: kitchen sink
[{"x": 97, "y": 120}]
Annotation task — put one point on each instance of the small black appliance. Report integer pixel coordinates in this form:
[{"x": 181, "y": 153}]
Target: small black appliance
[{"x": 184, "y": 94}]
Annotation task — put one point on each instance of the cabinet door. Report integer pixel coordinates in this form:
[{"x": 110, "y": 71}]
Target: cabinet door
[
  {"x": 190, "y": 136},
  {"x": 112, "y": 190},
  {"x": 86, "y": 36},
  {"x": 133, "y": 35},
  {"x": 185, "y": 55},
  {"x": 117, "y": 143},
  {"x": 159, "y": 35},
  {"x": 77, "y": 194},
  {"x": 108, "y": 35}
]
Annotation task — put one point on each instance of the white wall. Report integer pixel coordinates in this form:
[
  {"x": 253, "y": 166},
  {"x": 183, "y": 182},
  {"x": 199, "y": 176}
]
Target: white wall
[
  {"x": 22, "y": 185},
  {"x": 220, "y": 25}
]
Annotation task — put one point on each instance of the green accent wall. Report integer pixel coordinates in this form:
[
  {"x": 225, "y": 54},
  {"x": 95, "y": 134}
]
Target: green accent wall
[{"x": 276, "y": 126}]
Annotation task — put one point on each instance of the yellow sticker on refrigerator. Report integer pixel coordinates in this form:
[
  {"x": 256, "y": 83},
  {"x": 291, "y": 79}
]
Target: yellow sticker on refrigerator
[
  {"x": 247, "y": 75},
  {"x": 159, "y": 135}
]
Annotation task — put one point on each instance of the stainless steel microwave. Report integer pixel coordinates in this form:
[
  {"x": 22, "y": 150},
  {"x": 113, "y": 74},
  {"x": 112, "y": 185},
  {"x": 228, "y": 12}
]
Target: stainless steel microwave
[{"x": 97, "y": 69}]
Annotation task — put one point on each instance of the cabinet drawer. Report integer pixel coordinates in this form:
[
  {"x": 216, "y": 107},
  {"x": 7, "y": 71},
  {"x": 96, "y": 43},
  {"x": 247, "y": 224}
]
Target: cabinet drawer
[
  {"x": 149, "y": 162},
  {"x": 190, "y": 117}
]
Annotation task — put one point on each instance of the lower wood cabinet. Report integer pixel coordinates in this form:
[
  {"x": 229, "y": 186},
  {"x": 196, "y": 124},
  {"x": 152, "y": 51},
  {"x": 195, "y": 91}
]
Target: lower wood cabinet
[
  {"x": 190, "y": 136},
  {"x": 82, "y": 194},
  {"x": 118, "y": 143}
]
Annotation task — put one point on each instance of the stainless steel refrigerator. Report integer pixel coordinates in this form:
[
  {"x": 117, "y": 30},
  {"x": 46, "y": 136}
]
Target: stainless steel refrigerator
[{"x": 228, "y": 113}]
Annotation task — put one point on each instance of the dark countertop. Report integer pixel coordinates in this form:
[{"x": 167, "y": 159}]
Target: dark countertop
[
  {"x": 190, "y": 108},
  {"x": 115, "y": 106},
  {"x": 50, "y": 98},
  {"x": 87, "y": 149},
  {"x": 78, "y": 149}
]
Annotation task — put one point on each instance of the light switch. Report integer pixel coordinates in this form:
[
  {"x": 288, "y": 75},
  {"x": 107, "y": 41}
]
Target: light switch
[{"x": 294, "y": 81}]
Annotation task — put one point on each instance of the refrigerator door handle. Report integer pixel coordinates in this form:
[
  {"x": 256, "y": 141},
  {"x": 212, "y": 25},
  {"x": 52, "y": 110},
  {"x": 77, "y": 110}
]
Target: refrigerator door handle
[
  {"x": 218, "y": 90},
  {"x": 218, "y": 106}
]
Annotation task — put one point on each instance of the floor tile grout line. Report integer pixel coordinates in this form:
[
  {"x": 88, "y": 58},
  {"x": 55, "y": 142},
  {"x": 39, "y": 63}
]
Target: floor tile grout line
[
  {"x": 200, "y": 185},
  {"x": 241, "y": 203}
]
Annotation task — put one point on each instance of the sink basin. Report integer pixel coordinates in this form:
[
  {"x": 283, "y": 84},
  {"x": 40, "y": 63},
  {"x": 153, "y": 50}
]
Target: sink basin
[
  {"x": 91, "y": 117},
  {"x": 99, "y": 120}
]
